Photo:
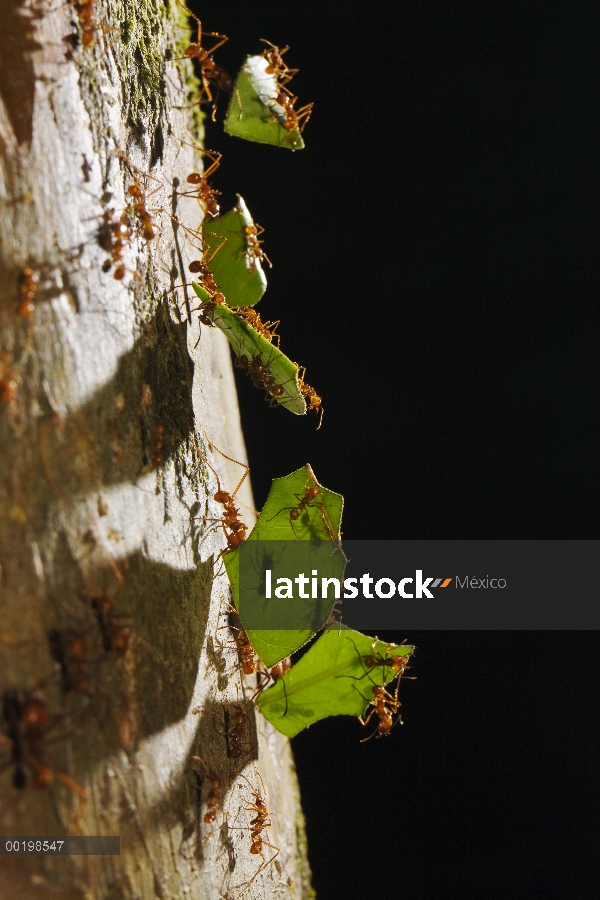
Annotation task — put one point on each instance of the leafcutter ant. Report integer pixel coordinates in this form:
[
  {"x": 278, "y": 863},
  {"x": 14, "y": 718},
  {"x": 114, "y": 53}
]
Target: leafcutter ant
[
  {"x": 199, "y": 186},
  {"x": 115, "y": 637},
  {"x": 277, "y": 66},
  {"x": 69, "y": 649},
  {"x": 295, "y": 118},
  {"x": 385, "y": 704},
  {"x": 310, "y": 493},
  {"x": 258, "y": 824},
  {"x": 210, "y": 72},
  {"x": 213, "y": 800},
  {"x": 28, "y": 285},
  {"x": 120, "y": 238},
  {"x": 266, "y": 329},
  {"x": 255, "y": 251},
  {"x": 27, "y": 721},
  {"x": 233, "y": 528},
  {"x": 9, "y": 380},
  {"x": 309, "y": 394},
  {"x": 260, "y": 374}
]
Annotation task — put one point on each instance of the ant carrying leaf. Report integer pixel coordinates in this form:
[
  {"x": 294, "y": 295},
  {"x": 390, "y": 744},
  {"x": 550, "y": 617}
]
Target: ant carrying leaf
[{"x": 333, "y": 679}]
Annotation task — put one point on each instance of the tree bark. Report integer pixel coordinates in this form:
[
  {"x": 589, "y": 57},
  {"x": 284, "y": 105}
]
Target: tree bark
[{"x": 110, "y": 617}]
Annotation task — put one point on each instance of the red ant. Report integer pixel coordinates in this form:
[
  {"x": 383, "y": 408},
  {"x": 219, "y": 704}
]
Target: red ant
[
  {"x": 385, "y": 705},
  {"x": 255, "y": 251},
  {"x": 206, "y": 279},
  {"x": 213, "y": 800},
  {"x": 309, "y": 393},
  {"x": 115, "y": 637},
  {"x": 310, "y": 493},
  {"x": 69, "y": 650},
  {"x": 9, "y": 380},
  {"x": 295, "y": 118},
  {"x": 210, "y": 71},
  {"x": 235, "y": 735},
  {"x": 258, "y": 824},
  {"x": 27, "y": 721},
  {"x": 260, "y": 375},
  {"x": 398, "y": 663},
  {"x": 277, "y": 66},
  {"x": 204, "y": 193},
  {"x": 266, "y": 329},
  {"x": 86, "y": 13},
  {"x": 120, "y": 238},
  {"x": 120, "y": 230},
  {"x": 233, "y": 528},
  {"x": 158, "y": 444},
  {"x": 28, "y": 285}
]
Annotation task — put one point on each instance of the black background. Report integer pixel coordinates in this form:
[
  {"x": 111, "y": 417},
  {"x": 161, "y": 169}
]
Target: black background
[{"x": 435, "y": 253}]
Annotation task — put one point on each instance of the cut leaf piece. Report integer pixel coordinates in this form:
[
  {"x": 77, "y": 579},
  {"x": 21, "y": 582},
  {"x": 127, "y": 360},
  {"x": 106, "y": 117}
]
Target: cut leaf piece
[
  {"x": 249, "y": 345},
  {"x": 254, "y": 113},
  {"x": 332, "y": 679},
  {"x": 235, "y": 268},
  {"x": 320, "y": 520}
]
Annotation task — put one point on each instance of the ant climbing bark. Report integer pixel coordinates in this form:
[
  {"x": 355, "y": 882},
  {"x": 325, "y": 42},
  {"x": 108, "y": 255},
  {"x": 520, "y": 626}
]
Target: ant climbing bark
[
  {"x": 258, "y": 825},
  {"x": 210, "y": 72}
]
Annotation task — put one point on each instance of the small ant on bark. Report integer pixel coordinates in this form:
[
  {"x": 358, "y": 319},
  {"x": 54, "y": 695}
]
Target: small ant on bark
[
  {"x": 236, "y": 733},
  {"x": 210, "y": 71},
  {"x": 213, "y": 800},
  {"x": 27, "y": 720},
  {"x": 258, "y": 824},
  {"x": 69, "y": 649},
  {"x": 9, "y": 381},
  {"x": 86, "y": 13},
  {"x": 28, "y": 285},
  {"x": 120, "y": 230},
  {"x": 201, "y": 190},
  {"x": 115, "y": 637},
  {"x": 120, "y": 238},
  {"x": 233, "y": 528},
  {"x": 266, "y": 329}
]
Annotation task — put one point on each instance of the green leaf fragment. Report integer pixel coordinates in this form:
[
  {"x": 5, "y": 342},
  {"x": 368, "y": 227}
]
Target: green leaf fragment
[
  {"x": 330, "y": 680},
  {"x": 320, "y": 521},
  {"x": 254, "y": 114},
  {"x": 249, "y": 344},
  {"x": 236, "y": 270}
]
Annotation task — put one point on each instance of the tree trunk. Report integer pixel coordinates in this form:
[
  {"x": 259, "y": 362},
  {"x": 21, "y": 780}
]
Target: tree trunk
[{"x": 119, "y": 684}]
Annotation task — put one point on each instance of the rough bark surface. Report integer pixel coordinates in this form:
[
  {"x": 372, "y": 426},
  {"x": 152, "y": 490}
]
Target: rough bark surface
[{"x": 107, "y": 403}]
